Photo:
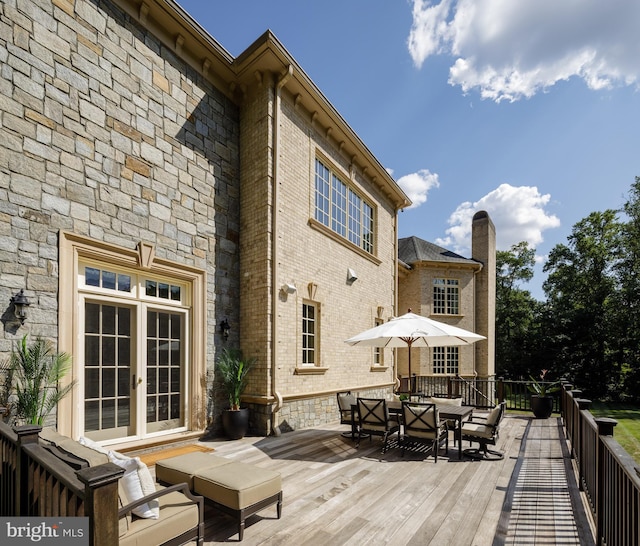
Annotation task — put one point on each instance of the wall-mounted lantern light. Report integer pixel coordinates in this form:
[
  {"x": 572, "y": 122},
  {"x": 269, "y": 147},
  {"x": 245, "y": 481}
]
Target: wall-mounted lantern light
[
  {"x": 225, "y": 328},
  {"x": 20, "y": 304},
  {"x": 288, "y": 288}
]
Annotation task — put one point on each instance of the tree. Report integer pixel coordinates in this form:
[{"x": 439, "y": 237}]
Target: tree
[
  {"x": 581, "y": 298},
  {"x": 628, "y": 305},
  {"x": 516, "y": 312}
]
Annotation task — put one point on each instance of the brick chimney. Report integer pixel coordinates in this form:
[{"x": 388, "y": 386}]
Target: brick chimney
[{"x": 483, "y": 249}]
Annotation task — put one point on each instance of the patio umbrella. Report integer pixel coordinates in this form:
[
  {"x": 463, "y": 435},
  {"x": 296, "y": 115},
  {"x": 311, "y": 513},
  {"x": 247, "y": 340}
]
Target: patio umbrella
[{"x": 411, "y": 330}]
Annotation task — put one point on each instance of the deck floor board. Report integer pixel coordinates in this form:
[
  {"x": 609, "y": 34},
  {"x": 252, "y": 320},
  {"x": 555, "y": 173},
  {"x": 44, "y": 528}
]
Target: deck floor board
[{"x": 335, "y": 493}]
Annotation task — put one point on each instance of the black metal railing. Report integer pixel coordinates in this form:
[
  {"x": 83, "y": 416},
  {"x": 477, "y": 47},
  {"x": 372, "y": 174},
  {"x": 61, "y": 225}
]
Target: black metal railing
[{"x": 481, "y": 393}]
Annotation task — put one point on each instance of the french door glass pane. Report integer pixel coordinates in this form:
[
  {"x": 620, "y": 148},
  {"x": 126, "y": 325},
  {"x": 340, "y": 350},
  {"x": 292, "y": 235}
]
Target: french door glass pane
[
  {"x": 165, "y": 346},
  {"x": 107, "y": 352}
]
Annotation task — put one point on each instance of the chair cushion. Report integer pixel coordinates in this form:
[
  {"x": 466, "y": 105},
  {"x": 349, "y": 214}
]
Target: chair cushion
[
  {"x": 345, "y": 401},
  {"x": 446, "y": 401},
  {"x": 494, "y": 416},
  {"x": 182, "y": 468},
  {"x": 478, "y": 430},
  {"x": 177, "y": 515},
  {"x": 237, "y": 485}
]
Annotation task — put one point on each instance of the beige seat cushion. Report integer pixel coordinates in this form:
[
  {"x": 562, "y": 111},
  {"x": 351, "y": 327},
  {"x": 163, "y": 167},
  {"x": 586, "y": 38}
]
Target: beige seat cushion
[
  {"x": 493, "y": 417},
  {"x": 477, "y": 429},
  {"x": 182, "y": 468},
  {"x": 177, "y": 515},
  {"x": 445, "y": 401},
  {"x": 237, "y": 485}
]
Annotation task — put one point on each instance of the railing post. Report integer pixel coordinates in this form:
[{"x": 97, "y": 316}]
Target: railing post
[
  {"x": 101, "y": 502},
  {"x": 563, "y": 400},
  {"x": 605, "y": 428},
  {"x": 27, "y": 434},
  {"x": 576, "y": 444},
  {"x": 500, "y": 389},
  {"x": 576, "y": 418}
]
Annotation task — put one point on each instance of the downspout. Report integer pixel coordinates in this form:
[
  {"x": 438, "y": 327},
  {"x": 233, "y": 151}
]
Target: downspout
[
  {"x": 396, "y": 276},
  {"x": 282, "y": 81},
  {"x": 475, "y": 318}
]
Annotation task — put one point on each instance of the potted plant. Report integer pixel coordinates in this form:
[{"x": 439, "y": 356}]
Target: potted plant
[
  {"x": 232, "y": 370},
  {"x": 541, "y": 399},
  {"x": 36, "y": 371}
]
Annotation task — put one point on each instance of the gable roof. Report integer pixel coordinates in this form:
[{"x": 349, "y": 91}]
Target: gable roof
[{"x": 412, "y": 250}]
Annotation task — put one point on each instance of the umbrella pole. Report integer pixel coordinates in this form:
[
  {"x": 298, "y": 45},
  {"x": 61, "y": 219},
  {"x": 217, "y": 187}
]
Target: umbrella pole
[{"x": 410, "y": 378}]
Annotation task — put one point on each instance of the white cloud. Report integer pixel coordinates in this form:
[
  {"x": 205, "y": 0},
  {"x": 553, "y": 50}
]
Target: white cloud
[
  {"x": 518, "y": 214},
  {"x": 510, "y": 49},
  {"x": 417, "y": 185}
]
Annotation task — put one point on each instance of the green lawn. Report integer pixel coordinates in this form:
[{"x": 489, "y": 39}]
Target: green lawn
[{"x": 627, "y": 431}]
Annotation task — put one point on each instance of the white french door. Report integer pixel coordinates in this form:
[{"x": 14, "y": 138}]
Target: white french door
[{"x": 134, "y": 354}]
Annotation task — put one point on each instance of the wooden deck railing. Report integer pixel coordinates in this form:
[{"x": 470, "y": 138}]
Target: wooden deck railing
[
  {"x": 34, "y": 482},
  {"x": 606, "y": 473}
]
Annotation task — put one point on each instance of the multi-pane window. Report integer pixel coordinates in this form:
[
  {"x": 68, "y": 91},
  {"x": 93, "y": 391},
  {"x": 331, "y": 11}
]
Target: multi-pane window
[
  {"x": 339, "y": 207},
  {"x": 445, "y": 360},
  {"x": 323, "y": 183},
  {"x": 378, "y": 352},
  {"x": 309, "y": 334},
  {"x": 344, "y": 211},
  {"x": 110, "y": 280},
  {"x": 446, "y": 296}
]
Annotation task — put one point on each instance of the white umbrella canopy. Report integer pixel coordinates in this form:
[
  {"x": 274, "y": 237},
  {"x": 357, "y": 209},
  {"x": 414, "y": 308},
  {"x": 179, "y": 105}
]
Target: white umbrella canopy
[{"x": 411, "y": 330}]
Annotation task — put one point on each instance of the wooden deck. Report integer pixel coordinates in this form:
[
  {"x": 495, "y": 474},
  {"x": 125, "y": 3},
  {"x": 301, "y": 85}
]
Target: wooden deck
[{"x": 337, "y": 494}]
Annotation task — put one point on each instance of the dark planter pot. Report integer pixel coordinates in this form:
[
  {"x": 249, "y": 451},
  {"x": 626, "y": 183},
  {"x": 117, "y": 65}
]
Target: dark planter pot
[
  {"x": 542, "y": 406},
  {"x": 235, "y": 423}
]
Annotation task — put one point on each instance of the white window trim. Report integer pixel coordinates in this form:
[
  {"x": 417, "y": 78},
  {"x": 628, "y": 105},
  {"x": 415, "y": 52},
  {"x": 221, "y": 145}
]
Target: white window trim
[
  {"x": 75, "y": 249},
  {"x": 351, "y": 189}
]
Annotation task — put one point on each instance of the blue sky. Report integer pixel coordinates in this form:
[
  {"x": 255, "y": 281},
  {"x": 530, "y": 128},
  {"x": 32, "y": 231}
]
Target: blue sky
[{"x": 529, "y": 110}]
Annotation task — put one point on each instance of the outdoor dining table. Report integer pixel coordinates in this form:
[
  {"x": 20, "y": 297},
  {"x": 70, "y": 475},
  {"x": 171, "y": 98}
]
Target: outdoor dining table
[{"x": 453, "y": 413}]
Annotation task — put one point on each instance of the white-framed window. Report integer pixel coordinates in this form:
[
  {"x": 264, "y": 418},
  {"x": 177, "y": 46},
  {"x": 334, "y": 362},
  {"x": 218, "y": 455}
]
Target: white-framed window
[
  {"x": 446, "y": 296},
  {"x": 378, "y": 352},
  {"x": 136, "y": 329},
  {"x": 342, "y": 209},
  {"x": 310, "y": 333},
  {"x": 445, "y": 360}
]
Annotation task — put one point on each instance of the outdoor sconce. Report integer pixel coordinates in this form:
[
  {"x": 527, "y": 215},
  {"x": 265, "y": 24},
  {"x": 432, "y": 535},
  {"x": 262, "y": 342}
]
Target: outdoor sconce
[
  {"x": 20, "y": 304},
  {"x": 225, "y": 328},
  {"x": 288, "y": 288}
]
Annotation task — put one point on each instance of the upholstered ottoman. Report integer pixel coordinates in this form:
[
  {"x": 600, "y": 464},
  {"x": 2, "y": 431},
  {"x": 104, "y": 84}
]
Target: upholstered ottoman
[
  {"x": 240, "y": 489},
  {"x": 237, "y": 489},
  {"x": 182, "y": 468}
]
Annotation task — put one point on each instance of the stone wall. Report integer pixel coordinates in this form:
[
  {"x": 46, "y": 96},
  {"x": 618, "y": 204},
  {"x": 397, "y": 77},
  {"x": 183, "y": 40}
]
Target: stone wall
[{"x": 106, "y": 133}]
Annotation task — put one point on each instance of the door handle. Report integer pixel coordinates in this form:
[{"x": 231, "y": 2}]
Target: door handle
[{"x": 136, "y": 383}]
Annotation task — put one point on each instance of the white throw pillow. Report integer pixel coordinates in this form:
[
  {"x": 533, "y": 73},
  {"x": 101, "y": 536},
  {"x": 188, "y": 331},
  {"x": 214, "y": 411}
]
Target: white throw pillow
[
  {"x": 136, "y": 483},
  {"x": 88, "y": 442}
]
